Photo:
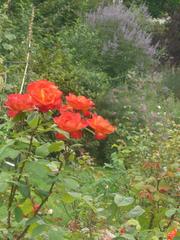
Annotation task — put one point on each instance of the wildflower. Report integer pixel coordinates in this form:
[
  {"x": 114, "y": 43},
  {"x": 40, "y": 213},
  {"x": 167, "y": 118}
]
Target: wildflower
[
  {"x": 122, "y": 231},
  {"x": 36, "y": 207},
  {"x": 101, "y": 126},
  {"x": 17, "y": 103},
  {"x": 45, "y": 95}
]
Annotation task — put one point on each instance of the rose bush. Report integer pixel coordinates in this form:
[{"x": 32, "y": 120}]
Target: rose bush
[{"x": 32, "y": 158}]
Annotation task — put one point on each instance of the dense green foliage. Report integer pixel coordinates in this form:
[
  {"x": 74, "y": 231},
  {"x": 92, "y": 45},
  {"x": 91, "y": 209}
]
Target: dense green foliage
[{"x": 157, "y": 8}]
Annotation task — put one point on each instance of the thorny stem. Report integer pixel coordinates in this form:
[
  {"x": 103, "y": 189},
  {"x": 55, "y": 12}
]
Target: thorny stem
[{"x": 21, "y": 236}]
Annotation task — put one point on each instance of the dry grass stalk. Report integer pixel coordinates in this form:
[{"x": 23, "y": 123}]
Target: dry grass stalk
[{"x": 30, "y": 35}]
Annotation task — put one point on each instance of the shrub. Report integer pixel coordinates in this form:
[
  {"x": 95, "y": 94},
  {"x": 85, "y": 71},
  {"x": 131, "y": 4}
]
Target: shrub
[
  {"x": 122, "y": 23},
  {"x": 125, "y": 45}
]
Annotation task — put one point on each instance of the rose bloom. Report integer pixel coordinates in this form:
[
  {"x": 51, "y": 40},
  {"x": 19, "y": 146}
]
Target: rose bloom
[
  {"x": 17, "y": 103},
  {"x": 45, "y": 94},
  {"x": 71, "y": 122},
  {"x": 101, "y": 126},
  {"x": 80, "y": 103},
  {"x": 172, "y": 234},
  {"x": 65, "y": 108}
]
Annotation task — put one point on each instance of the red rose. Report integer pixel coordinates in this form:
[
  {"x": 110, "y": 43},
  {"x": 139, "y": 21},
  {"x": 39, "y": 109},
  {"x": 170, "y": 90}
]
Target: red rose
[
  {"x": 71, "y": 122},
  {"x": 65, "y": 108},
  {"x": 172, "y": 234},
  {"x": 45, "y": 94},
  {"x": 101, "y": 126},
  {"x": 17, "y": 103},
  {"x": 79, "y": 103}
]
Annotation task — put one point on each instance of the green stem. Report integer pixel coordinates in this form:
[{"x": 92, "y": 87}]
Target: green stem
[
  {"x": 14, "y": 186},
  {"x": 23, "y": 233}
]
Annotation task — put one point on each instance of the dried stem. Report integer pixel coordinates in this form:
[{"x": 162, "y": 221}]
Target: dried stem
[{"x": 30, "y": 34}]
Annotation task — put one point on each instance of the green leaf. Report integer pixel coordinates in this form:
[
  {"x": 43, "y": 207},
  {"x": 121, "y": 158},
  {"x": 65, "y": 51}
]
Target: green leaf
[
  {"x": 9, "y": 36},
  {"x": 7, "y": 152},
  {"x": 38, "y": 229},
  {"x": 3, "y": 212},
  {"x": 71, "y": 184},
  {"x": 26, "y": 206},
  {"x": 39, "y": 174},
  {"x": 56, "y": 234},
  {"x": 56, "y": 146},
  {"x": 33, "y": 120},
  {"x": 18, "y": 214},
  {"x": 128, "y": 237},
  {"x": 67, "y": 198},
  {"x": 43, "y": 150},
  {"x": 136, "y": 212},
  {"x": 122, "y": 201},
  {"x": 4, "y": 178},
  {"x": 32, "y": 220},
  {"x": 135, "y": 223},
  {"x": 7, "y": 46},
  {"x": 75, "y": 195},
  {"x": 66, "y": 134},
  {"x": 24, "y": 190},
  {"x": 169, "y": 213}
]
